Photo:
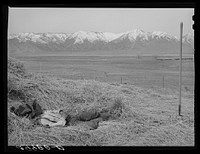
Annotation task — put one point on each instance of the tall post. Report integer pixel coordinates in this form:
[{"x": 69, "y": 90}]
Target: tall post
[{"x": 180, "y": 68}]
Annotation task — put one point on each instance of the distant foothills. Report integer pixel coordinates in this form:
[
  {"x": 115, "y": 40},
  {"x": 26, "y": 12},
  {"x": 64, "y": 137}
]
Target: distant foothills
[{"x": 136, "y": 40}]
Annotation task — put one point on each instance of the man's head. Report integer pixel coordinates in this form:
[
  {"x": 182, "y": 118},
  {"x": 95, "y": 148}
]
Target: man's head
[
  {"x": 66, "y": 116},
  {"x": 63, "y": 113}
]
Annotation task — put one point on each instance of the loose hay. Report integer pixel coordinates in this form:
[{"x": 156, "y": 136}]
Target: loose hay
[{"x": 139, "y": 117}]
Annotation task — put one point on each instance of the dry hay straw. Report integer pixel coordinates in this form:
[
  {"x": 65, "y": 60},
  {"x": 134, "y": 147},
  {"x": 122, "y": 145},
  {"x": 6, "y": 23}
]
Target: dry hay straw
[
  {"x": 128, "y": 124},
  {"x": 55, "y": 93}
]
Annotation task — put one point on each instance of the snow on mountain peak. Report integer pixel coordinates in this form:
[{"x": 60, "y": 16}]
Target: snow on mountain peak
[
  {"x": 111, "y": 36},
  {"x": 159, "y": 34},
  {"x": 80, "y": 36},
  {"x": 40, "y": 37},
  {"x": 189, "y": 38},
  {"x": 23, "y": 37},
  {"x": 90, "y": 36},
  {"x": 90, "y": 40},
  {"x": 134, "y": 34}
]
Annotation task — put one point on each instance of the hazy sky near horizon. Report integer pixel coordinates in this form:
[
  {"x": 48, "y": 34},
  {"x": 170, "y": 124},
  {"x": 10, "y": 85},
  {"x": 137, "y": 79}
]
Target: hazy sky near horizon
[{"x": 115, "y": 20}]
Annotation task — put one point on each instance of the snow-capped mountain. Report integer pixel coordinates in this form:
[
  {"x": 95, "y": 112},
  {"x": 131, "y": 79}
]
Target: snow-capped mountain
[
  {"x": 81, "y": 36},
  {"x": 89, "y": 41},
  {"x": 111, "y": 36},
  {"x": 189, "y": 38},
  {"x": 134, "y": 35},
  {"x": 40, "y": 37}
]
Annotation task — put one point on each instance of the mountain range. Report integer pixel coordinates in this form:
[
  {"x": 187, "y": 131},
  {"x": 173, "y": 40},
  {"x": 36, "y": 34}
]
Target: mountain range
[{"x": 135, "y": 40}]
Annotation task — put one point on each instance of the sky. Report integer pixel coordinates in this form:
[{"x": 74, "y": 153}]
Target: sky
[{"x": 115, "y": 20}]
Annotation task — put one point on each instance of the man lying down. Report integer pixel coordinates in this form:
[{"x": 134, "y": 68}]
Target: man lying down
[{"x": 52, "y": 118}]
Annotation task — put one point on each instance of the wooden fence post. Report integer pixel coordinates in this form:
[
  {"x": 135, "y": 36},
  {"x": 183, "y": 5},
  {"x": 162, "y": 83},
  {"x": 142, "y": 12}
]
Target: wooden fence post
[{"x": 180, "y": 68}]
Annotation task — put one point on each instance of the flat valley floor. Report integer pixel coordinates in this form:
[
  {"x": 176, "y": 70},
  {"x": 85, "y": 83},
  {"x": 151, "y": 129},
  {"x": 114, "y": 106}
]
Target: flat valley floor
[{"x": 146, "y": 71}]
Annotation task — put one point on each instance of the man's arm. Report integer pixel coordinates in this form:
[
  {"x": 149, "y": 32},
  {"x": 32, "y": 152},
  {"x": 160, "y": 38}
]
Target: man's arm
[{"x": 59, "y": 123}]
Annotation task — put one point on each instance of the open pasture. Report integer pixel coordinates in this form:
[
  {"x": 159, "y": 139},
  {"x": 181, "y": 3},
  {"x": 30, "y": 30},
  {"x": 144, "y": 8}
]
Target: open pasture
[{"x": 143, "y": 71}]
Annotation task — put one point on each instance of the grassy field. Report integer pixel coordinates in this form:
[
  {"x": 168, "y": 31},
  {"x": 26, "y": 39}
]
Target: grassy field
[
  {"x": 146, "y": 71},
  {"x": 148, "y": 112}
]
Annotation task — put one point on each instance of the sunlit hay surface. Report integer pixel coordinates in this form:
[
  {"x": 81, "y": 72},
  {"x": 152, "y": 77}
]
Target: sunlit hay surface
[{"x": 139, "y": 117}]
